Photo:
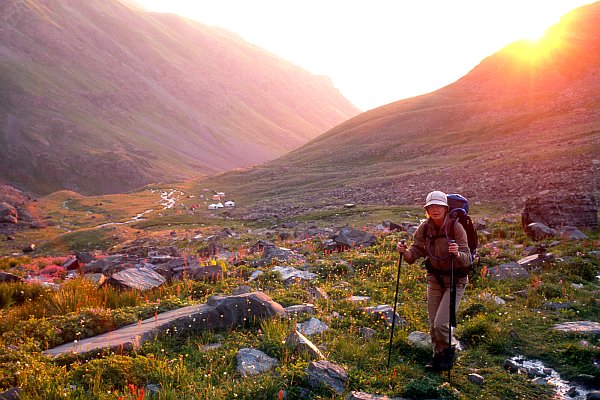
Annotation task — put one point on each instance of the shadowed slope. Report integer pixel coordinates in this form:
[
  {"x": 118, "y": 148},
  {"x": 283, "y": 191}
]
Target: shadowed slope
[{"x": 100, "y": 96}]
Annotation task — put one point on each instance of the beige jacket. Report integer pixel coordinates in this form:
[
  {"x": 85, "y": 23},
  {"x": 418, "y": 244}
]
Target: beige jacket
[{"x": 438, "y": 248}]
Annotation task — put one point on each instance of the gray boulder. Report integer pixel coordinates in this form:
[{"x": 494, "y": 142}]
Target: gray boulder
[
  {"x": 254, "y": 362},
  {"x": 507, "y": 271},
  {"x": 292, "y": 275},
  {"x": 385, "y": 312},
  {"x": 299, "y": 341},
  {"x": 571, "y": 233},
  {"x": 327, "y": 374},
  {"x": 140, "y": 277},
  {"x": 301, "y": 309},
  {"x": 312, "y": 327},
  {"x": 420, "y": 340},
  {"x": 580, "y": 327},
  {"x": 240, "y": 309},
  {"x": 539, "y": 231},
  {"x": 348, "y": 237},
  {"x": 13, "y": 393},
  {"x": 9, "y": 278}
]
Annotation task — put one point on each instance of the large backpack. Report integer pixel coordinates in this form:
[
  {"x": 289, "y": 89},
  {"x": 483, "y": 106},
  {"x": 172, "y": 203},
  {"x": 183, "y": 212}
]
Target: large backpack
[{"x": 458, "y": 210}]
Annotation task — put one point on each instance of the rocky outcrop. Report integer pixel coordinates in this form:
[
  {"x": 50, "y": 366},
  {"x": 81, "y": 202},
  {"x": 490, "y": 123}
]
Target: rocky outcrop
[
  {"x": 556, "y": 211},
  {"x": 8, "y": 214}
]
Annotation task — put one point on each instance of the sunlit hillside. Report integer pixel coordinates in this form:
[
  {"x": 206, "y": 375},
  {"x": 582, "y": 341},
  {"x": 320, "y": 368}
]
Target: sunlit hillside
[{"x": 524, "y": 121}]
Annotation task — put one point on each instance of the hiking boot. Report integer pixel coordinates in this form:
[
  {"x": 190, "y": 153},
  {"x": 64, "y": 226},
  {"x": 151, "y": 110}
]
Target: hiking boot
[
  {"x": 434, "y": 364},
  {"x": 448, "y": 357}
]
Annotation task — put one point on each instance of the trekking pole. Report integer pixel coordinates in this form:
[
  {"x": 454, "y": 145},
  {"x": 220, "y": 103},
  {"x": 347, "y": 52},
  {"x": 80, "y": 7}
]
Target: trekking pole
[
  {"x": 395, "y": 303},
  {"x": 452, "y": 314}
]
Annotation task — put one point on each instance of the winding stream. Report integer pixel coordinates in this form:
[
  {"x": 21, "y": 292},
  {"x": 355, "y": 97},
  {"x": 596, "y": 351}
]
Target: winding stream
[{"x": 545, "y": 375}]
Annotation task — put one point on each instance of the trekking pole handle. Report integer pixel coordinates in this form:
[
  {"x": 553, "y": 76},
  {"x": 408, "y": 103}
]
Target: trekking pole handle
[
  {"x": 451, "y": 241},
  {"x": 402, "y": 242}
]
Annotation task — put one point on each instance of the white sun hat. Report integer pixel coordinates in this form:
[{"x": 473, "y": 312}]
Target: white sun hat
[{"x": 436, "y": 197}]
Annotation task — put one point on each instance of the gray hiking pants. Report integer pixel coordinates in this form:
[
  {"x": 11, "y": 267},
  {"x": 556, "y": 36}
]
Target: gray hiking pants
[{"x": 438, "y": 309}]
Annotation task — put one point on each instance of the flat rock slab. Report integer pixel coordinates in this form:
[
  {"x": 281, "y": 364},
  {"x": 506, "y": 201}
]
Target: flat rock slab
[
  {"x": 219, "y": 312},
  {"x": 367, "y": 396},
  {"x": 593, "y": 328}
]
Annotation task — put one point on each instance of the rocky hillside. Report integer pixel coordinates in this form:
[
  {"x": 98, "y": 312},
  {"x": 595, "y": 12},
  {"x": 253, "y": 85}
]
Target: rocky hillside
[
  {"x": 100, "y": 96},
  {"x": 524, "y": 121}
]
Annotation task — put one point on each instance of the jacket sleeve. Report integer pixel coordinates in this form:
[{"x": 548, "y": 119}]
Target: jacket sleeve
[
  {"x": 417, "y": 248},
  {"x": 464, "y": 253}
]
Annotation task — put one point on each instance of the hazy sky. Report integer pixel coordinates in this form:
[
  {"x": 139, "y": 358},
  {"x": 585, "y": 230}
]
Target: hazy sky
[{"x": 378, "y": 51}]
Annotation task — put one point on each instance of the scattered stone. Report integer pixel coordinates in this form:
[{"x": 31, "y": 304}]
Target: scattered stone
[
  {"x": 140, "y": 277},
  {"x": 97, "y": 279},
  {"x": 255, "y": 274},
  {"x": 367, "y": 333},
  {"x": 386, "y": 313},
  {"x": 595, "y": 395},
  {"x": 242, "y": 289},
  {"x": 312, "y": 327},
  {"x": 281, "y": 254},
  {"x": 551, "y": 305},
  {"x": 301, "y": 309},
  {"x": 586, "y": 327},
  {"x": 29, "y": 249},
  {"x": 348, "y": 237},
  {"x": 325, "y": 373},
  {"x": 85, "y": 257},
  {"x": 301, "y": 342},
  {"x": 208, "y": 273},
  {"x": 366, "y": 396},
  {"x": 292, "y": 275},
  {"x": 577, "y": 286},
  {"x": 70, "y": 264},
  {"x": 507, "y": 271},
  {"x": 359, "y": 299},
  {"x": 535, "y": 260},
  {"x": 254, "y": 362},
  {"x": 9, "y": 278},
  {"x": 420, "y": 340},
  {"x": 152, "y": 390},
  {"x": 572, "y": 392},
  {"x": 476, "y": 379},
  {"x": 8, "y": 214},
  {"x": 498, "y": 300},
  {"x": 317, "y": 293},
  {"x": 571, "y": 233},
  {"x": 209, "y": 347},
  {"x": 511, "y": 366},
  {"x": 539, "y": 231},
  {"x": 530, "y": 250},
  {"x": 540, "y": 380},
  {"x": 13, "y": 393}
]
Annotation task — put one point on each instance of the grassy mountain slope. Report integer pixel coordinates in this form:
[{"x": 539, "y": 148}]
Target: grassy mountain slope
[
  {"x": 100, "y": 96},
  {"x": 523, "y": 121}
]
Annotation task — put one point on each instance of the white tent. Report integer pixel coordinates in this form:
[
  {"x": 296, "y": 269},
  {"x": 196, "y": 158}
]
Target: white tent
[
  {"x": 212, "y": 207},
  {"x": 229, "y": 203}
]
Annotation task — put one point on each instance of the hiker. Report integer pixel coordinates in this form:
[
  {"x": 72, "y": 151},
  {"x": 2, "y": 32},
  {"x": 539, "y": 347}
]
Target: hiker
[{"x": 433, "y": 240}]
